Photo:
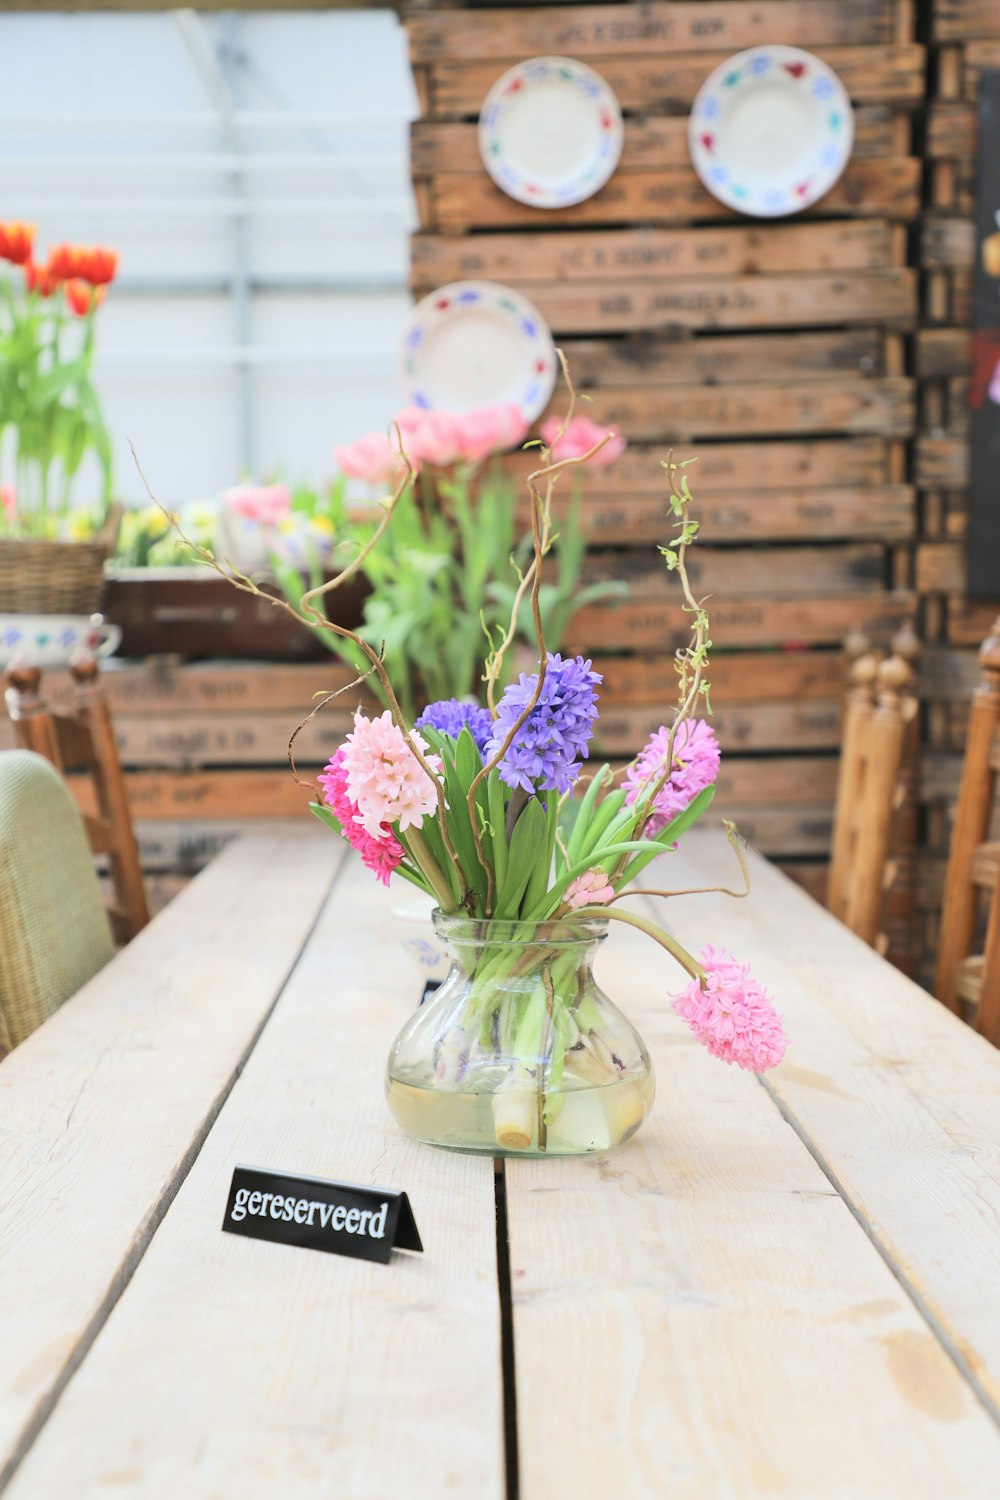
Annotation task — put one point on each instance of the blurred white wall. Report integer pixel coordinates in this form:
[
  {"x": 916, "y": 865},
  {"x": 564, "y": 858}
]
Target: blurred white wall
[{"x": 253, "y": 173}]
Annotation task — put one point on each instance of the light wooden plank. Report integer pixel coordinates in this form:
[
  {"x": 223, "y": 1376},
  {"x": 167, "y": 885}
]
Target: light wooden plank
[
  {"x": 312, "y": 1375},
  {"x": 616, "y": 255},
  {"x": 895, "y": 1095},
  {"x": 871, "y": 75},
  {"x": 603, "y": 31},
  {"x": 103, "y": 1106},
  {"x": 700, "y": 1314},
  {"x": 884, "y": 188}
]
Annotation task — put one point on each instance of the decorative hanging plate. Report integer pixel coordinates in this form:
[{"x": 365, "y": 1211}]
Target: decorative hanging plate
[
  {"x": 550, "y": 132},
  {"x": 771, "y": 131},
  {"x": 475, "y": 343}
]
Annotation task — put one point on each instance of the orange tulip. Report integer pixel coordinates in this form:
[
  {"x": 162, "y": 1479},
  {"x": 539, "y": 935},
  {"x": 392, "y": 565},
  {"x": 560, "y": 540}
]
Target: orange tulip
[
  {"x": 39, "y": 279},
  {"x": 64, "y": 262},
  {"x": 16, "y": 241},
  {"x": 81, "y": 297},
  {"x": 97, "y": 265}
]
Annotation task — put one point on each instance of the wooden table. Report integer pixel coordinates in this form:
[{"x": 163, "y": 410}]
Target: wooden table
[{"x": 784, "y": 1286}]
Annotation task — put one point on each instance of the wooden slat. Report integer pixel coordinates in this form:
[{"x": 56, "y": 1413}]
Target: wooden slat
[
  {"x": 725, "y": 360},
  {"x": 638, "y": 254},
  {"x": 453, "y": 146},
  {"x": 743, "y": 677},
  {"x": 942, "y": 352},
  {"x": 970, "y": 620},
  {"x": 707, "y": 1284},
  {"x": 965, "y": 20},
  {"x": 771, "y": 572},
  {"x": 946, "y": 244},
  {"x": 722, "y": 468},
  {"x": 887, "y": 299},
  {"x": 103, "y": 1105},
  {"x": 167, "y": 685},
  {"x": 768, "y": 408},
  {"x": 941, "y": 463},
  {"x": 757, "y": 515},
  {"x": 740, "y": 621},
  {"x": 977, "y": 56},
  {"x": 884, "y": 188},
  {"x": 600, "y": 32},
  {"x": 231, "y": 794},
  {"x": 897, "y": 1098},
  {"x": 871, "y": 75},
  {"x": 314, "y": 1374},
  {"x": 940, "y": 567},
  {"x": 951, "y": 131}
]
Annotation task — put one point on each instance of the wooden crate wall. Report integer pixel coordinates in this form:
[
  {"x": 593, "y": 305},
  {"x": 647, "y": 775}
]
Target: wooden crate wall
[
  {"x": 777, "y": 352},
  {"x": 965, "y": 37}
]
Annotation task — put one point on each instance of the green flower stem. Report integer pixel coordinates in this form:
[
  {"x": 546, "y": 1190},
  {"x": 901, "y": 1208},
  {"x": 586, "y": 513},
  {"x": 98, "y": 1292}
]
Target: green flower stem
[
  {"x": 672, "y": 946},
  {"x": 414, "y": 843}
]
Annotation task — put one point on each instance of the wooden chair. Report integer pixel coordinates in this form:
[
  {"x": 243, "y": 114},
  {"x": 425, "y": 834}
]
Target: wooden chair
[
  {"x": 963, "y": 976},
  {"x": 54, "y": 929},
  {"x": 873, "y": 788},
  {"x": 85, "y": 740}
]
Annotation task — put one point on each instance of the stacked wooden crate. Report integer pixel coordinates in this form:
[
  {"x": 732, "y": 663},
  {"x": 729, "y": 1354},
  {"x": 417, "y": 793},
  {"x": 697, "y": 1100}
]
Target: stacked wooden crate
[
  {"x": 965, "y": 38},
  {"x": 776, "y": 352}
]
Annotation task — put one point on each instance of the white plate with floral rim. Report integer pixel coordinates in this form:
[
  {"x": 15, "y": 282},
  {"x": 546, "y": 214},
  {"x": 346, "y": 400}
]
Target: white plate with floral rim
[
  {"x": 477, "y": 343},
  {"x": 550, "y": 132},
  {"x": 771, "y": 131}
]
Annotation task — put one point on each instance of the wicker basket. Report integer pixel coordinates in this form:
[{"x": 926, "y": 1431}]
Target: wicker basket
[{"x": 42, "y": 577}]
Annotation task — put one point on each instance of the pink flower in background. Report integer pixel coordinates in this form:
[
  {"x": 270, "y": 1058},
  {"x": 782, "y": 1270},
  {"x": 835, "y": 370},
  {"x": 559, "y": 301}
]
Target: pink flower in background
[
  {"x": 580, "y": 436},
  {"x": 695, "y": 766},
  {"x": 8, "y": 500},
  {"x": 589, "y": 889},
  {"x": 993, "y": 389},
  {"x": 491, "y": 429},
  {"x": 373, "y": 458},
  {"x": 732, "y": 1014},
  {"x": 385, "y": 778},
  {"x": 441, "y": 438},
  {"x": 433, "y": 437},
  {"x": 381, "y": 854},
  {"x": 266, "y": 503}
]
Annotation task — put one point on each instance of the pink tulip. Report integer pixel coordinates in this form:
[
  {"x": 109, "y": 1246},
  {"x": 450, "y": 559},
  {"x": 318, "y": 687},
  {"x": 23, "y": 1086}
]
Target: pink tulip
[
  {"x": 266, "y": 503},
  {"x": 580, "y": 436},
  {"x": 373, "y": 458},
  {"x": 491, "y": 429}
]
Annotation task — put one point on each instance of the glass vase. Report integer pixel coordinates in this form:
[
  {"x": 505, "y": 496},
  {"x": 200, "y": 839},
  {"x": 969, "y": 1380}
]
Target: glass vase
[{"x": 520, "y": 1053}]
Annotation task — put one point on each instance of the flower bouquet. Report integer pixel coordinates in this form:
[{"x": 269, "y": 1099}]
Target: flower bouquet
[
  {"x": 487, "y": 809},
  {"x": 52, "y": 552}
]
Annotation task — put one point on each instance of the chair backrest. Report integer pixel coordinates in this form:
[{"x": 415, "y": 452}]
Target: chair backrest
[
  {"x": 878, "y": 743},
  {"x": 85, "y": 740},
  {"x": 962, "y": 975},
  {"x": 54, "y": 930}
]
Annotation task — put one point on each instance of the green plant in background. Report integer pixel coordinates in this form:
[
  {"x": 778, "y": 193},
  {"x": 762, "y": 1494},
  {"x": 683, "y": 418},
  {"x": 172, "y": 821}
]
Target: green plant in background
[
  {"x": 50, "y": 415},
  {"x": 450, "y": 569}
]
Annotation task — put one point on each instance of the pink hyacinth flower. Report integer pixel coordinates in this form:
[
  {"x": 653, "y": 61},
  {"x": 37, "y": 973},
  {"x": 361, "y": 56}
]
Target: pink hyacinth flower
[
  {"x": 8, "y": 500},
  {"x": 696, "y": 758},
  {"x": 372, "y": 458},
  {"x": 580, "y": 436},
  {"x": 265, "y": 503},
  {"x": 732, "y": 1014},
  {"x": 384, "y": 777},
  {"x": 592, "y": 888},
  {"x": 380, "y": 855}
]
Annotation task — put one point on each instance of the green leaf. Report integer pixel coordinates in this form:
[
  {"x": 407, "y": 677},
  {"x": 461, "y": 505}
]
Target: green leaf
[{"x": 527, "y": 846}]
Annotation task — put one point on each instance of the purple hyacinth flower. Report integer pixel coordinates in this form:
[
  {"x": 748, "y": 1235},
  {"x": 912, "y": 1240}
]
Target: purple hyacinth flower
[
  {"x": 450, "y": 716},
  {"x": 546, "y": 751}
]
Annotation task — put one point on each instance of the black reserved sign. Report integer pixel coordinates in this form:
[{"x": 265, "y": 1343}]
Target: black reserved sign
[{"x": 311, "y": 1212}]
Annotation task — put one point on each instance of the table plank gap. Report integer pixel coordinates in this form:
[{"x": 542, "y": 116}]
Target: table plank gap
[
  {"x": 940, "y": 1330},
  {"x": 512, "y": 1474}
]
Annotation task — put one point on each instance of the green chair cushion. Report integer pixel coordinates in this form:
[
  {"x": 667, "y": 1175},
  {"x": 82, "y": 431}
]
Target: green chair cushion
[{"x": 54, "y": 929}]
